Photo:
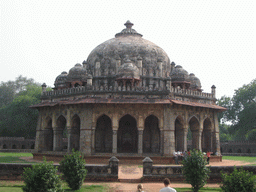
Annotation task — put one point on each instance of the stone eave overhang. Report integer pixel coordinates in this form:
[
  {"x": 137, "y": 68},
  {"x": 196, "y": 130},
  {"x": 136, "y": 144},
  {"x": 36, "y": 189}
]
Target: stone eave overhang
[
  {"x": 102, "y": 101},
  {"x": 126, "y": 101},
  {"x": 195, "y": 104}
]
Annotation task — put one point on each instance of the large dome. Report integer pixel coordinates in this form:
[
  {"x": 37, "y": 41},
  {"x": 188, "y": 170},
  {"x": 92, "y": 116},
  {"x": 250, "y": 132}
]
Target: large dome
[{"x": 128, "y": 44}]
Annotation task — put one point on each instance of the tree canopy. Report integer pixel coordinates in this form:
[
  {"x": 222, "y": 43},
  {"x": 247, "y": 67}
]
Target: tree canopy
[
  {"x": 16, "y": 118},
  {"x": 241, "y": 112}
]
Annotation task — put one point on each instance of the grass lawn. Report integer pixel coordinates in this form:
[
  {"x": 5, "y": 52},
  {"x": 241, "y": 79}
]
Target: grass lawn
[
  {"x": 241, "y": 158},
  {"x": 91, "y": 188},
  {"x": 8, "y": 157},
  {"x": 16, "y": 186}
]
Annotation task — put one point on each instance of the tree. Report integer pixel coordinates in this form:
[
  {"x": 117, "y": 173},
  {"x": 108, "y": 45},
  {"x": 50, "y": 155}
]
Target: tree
[
  {"x": 16, "y": 118},
  {"x": 195, "y": 170},
  {"x": 9, "y": 89},
  {"x": 240, "y": 181},
  {"x": 224, "y": 132},
  {"x": 73, "y": 168},
  {"x": 42, "y": 177},
  {"x": 241, "y": 111}
]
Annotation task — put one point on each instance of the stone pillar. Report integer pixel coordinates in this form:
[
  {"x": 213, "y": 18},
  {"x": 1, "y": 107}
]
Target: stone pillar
[
  {"x": 115, "y": 129},
  {"x": 216, "y": 140},
  {"x": 85, "y": 141},
  {"x": 161, "y": 141},
  {"x": 213, "y": 90},
  {"x": 57, "y": 139},
  {"x": 198, "y": 134},
  {"x": 114, "y": 149},
  {"x": 168, "y": 131},
  {"x": 93, "y": 139},
  {"x": 160, "y": 66},
  {"x": 113, "y": 164},
  {"x": 39, "y": 143},
  {"x": 97, "y": 69},
  {"x": 185, "y": 143},
  {"x": 69, "y": 132},
  {"x": 139, "y": 64},
  {"x": 140, "y": 141},
  {"x": 147, "y": 166},
  {"x": 167, "y": 142}
]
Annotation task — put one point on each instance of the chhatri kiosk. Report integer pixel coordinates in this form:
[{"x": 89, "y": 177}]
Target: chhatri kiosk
[{"x": 127, "y": 99}]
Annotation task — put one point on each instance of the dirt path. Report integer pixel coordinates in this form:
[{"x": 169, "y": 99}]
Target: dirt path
[{"x": 135, "y": 172}]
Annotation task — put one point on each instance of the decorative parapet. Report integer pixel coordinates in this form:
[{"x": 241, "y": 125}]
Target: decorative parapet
[
  {"x": 189, "y": 92},
  {"x": 138, "y": 90},
  {"x": 174, "y": 173},
  {"x": 11, "y": 171},
  {"x": 12, "y": 138}
]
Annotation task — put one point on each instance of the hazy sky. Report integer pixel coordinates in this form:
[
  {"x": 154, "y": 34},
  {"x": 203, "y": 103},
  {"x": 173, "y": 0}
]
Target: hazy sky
[{"x": 214, "y": 39}]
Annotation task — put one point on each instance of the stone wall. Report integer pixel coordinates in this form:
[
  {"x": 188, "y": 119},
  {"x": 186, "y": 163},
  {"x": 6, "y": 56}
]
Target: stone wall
[
  {"x": 239, "y": 148},
  {"x": 174, "y": 173},
  {"x": 231, "y": 148},
  {"x": 16, "y": 143},
  {"x": 107, "y": 172}
]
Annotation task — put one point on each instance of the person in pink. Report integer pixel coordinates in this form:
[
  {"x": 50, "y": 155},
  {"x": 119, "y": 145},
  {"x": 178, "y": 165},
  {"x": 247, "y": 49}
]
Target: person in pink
[
  {"x": 167, "y": 188},
  {"x": 208, "y": 156}
]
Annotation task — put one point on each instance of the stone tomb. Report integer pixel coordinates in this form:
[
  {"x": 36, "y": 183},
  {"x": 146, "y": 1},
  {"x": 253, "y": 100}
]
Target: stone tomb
[{"x": 127, "y": 100}]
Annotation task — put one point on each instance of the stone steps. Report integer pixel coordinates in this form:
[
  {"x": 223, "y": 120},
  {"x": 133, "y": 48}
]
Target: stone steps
[{"x": 129, "y": 180}]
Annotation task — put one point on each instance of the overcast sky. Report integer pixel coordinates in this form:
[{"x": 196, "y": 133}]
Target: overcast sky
[{"x": 214, "y": 39}]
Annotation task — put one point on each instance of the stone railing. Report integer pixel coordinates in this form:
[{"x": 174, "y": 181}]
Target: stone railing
[
  {"x": 94, "y": 89},
  {"x": 189, "y": 92},
  {"x": 174, "y": 173},
  {"x": 11, "y": 171},
  {"x": 12, "y": 138}
]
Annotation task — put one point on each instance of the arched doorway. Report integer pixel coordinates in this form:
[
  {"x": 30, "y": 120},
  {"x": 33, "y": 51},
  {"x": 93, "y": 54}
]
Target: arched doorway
[
  {"x": 103, "y": 135},
  {"x": 75, "y": 133},
  {"x": 61, "y": 132},
  {"x": 151, "y": 135},
  {"x": 207, "y": 136},
  {"x": 48, "y": 132},
  {"x": 179, "y": 134},
  {"x": 194, "y": 128},
  {"x": 127, "y": 135}
]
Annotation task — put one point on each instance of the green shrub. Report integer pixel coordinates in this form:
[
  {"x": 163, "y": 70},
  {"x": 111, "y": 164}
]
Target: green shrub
[
  {"x": 238, "y": 181},
  {"x": 195, "y": 170},
  {"x": 41, "y": 177},
  {"x": 73, "y": 168}
]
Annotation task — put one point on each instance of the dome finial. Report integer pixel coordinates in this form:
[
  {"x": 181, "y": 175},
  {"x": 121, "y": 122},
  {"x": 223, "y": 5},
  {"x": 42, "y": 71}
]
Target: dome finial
[{"x": 128, "y": 24}]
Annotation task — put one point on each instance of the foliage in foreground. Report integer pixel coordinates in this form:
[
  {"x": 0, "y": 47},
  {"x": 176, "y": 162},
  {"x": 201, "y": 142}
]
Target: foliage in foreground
[
  {"x": 73, "y": 168},
  {"x": 42, "y": 177},
  {"x": 195, "y": 170},
  {"x": 238, "y": 181}
]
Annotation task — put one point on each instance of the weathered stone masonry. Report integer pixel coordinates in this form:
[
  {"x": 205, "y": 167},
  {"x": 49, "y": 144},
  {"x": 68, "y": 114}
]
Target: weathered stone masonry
[{"x": 127, "y": 99}]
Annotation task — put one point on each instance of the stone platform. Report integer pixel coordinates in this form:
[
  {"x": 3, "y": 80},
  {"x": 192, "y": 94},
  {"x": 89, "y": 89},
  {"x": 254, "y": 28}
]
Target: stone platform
[{"x": 123, "y": 158}]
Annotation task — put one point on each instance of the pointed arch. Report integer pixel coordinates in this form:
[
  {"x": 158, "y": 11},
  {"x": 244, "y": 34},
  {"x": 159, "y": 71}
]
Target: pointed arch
[
  {"x": 75, "y": 133},
  {"x": 179, "y": 134},
  {"x": 4, "y": 146},
  {"x": 194, "y": 128},
  {"x": 127, "y": 135},
  {"x": 48, "y": 132},
  {"x": 103, "y": 134},
  {"x": 207, "y": 135},
  {"x": 61, "y": 132},
  {"x": 151, "y": 135},
  {"x": 61, "y": 122}
]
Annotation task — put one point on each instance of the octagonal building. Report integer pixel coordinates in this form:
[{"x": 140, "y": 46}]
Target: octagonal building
[{"x": 127, "y": 99}]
